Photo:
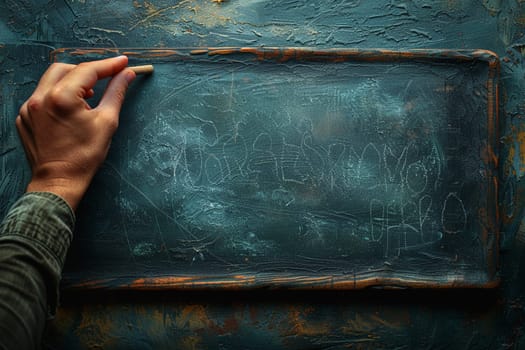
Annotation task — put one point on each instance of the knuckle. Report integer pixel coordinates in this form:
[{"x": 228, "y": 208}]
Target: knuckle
[
  {"x": 57, "y": 99},
  {"x": 34, "y": 104},
  {"x": 120, "y": 95}
]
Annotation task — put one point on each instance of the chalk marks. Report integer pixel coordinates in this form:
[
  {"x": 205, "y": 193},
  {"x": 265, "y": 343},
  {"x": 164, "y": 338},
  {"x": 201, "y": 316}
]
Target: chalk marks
[
  {"x": 360, "y": 161},
  {"x": 417, "y": 178},
  {"x": 267, "y": 162},
  {"x": 453, "y": 214}
]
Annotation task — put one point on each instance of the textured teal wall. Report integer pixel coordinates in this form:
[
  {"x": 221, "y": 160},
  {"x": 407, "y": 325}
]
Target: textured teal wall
[{"x": 468, "y": 320}]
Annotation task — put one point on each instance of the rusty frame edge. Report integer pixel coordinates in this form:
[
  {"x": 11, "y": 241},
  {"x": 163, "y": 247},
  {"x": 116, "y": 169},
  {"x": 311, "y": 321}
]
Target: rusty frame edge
[
  {"x": 285, "y": 54},
  {"x": 247, "y": 283}
]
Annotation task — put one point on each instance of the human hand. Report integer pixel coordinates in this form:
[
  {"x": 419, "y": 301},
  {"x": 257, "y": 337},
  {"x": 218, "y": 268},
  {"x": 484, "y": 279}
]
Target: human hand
[{"x": 65, "y": 139}]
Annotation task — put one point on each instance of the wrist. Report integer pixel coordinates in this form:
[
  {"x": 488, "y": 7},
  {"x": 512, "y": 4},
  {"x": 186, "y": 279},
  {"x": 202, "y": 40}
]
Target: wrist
[{"x": 69, "y": 190}]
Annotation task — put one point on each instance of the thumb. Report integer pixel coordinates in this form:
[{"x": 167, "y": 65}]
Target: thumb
[{"x": 113, "y": 97}]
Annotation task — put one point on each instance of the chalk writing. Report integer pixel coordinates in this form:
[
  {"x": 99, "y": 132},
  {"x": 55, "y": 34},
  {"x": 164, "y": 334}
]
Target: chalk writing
[
  {"x": 355, "y": 160},
  {"x": 295, "y": 167}
]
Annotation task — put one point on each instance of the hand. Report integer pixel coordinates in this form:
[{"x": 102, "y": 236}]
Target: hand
[{"x": 65, "y": 139}]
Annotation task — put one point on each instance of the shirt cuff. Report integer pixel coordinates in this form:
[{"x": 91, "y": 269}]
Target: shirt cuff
[{"x": 44, "y": 218}]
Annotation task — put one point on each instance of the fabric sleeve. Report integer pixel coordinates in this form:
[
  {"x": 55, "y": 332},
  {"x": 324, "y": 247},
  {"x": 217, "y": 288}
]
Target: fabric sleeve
[{"x": 34, "y": 239}]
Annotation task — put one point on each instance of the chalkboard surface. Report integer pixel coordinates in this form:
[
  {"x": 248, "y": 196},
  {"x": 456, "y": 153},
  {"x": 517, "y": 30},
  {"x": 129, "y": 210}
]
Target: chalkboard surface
[{"x": 244, "y": 168}]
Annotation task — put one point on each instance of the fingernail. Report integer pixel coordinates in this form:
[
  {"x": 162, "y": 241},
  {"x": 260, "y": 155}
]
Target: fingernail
[{"x": 130, "y": 76}]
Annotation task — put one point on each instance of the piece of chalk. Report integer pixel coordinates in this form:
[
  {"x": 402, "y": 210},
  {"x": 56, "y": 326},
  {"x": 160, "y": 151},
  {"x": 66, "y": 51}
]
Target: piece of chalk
[{"x": 147, "y": 69}]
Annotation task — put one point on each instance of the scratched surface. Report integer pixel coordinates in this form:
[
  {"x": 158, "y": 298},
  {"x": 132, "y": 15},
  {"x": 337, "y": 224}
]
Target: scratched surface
[
  {"x": 268, "y": 171},
  {"x": 18, "y": 65},
  {"x": 316, "y": 321}
]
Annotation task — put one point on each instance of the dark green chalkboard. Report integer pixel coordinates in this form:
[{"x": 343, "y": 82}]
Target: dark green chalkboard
[{"x": 295, "y": 168}]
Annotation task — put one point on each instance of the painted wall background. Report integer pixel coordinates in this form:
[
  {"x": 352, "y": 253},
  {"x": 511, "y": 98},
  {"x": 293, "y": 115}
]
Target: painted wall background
[{"x": 373, "y": 319}]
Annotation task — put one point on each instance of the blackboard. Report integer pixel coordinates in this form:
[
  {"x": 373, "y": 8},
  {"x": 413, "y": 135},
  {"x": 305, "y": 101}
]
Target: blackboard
[{"x": 295, "y": 168}]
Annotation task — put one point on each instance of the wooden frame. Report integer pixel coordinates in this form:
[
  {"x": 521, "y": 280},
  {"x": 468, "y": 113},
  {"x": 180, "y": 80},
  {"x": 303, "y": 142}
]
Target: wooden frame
[{"x": 482, "y": 69}]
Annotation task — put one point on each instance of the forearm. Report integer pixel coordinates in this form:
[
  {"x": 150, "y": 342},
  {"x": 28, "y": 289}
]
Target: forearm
[
  {"x": 66, "y": 140},
  {"x": 34, "y": 238}
]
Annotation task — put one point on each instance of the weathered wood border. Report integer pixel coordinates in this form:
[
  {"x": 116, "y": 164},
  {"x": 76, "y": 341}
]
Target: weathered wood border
[{"x": 489, "y": 216}]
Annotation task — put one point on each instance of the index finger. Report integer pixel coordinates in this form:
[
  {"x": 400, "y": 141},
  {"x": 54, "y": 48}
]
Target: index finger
[{"x": 79, "y": 81}]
